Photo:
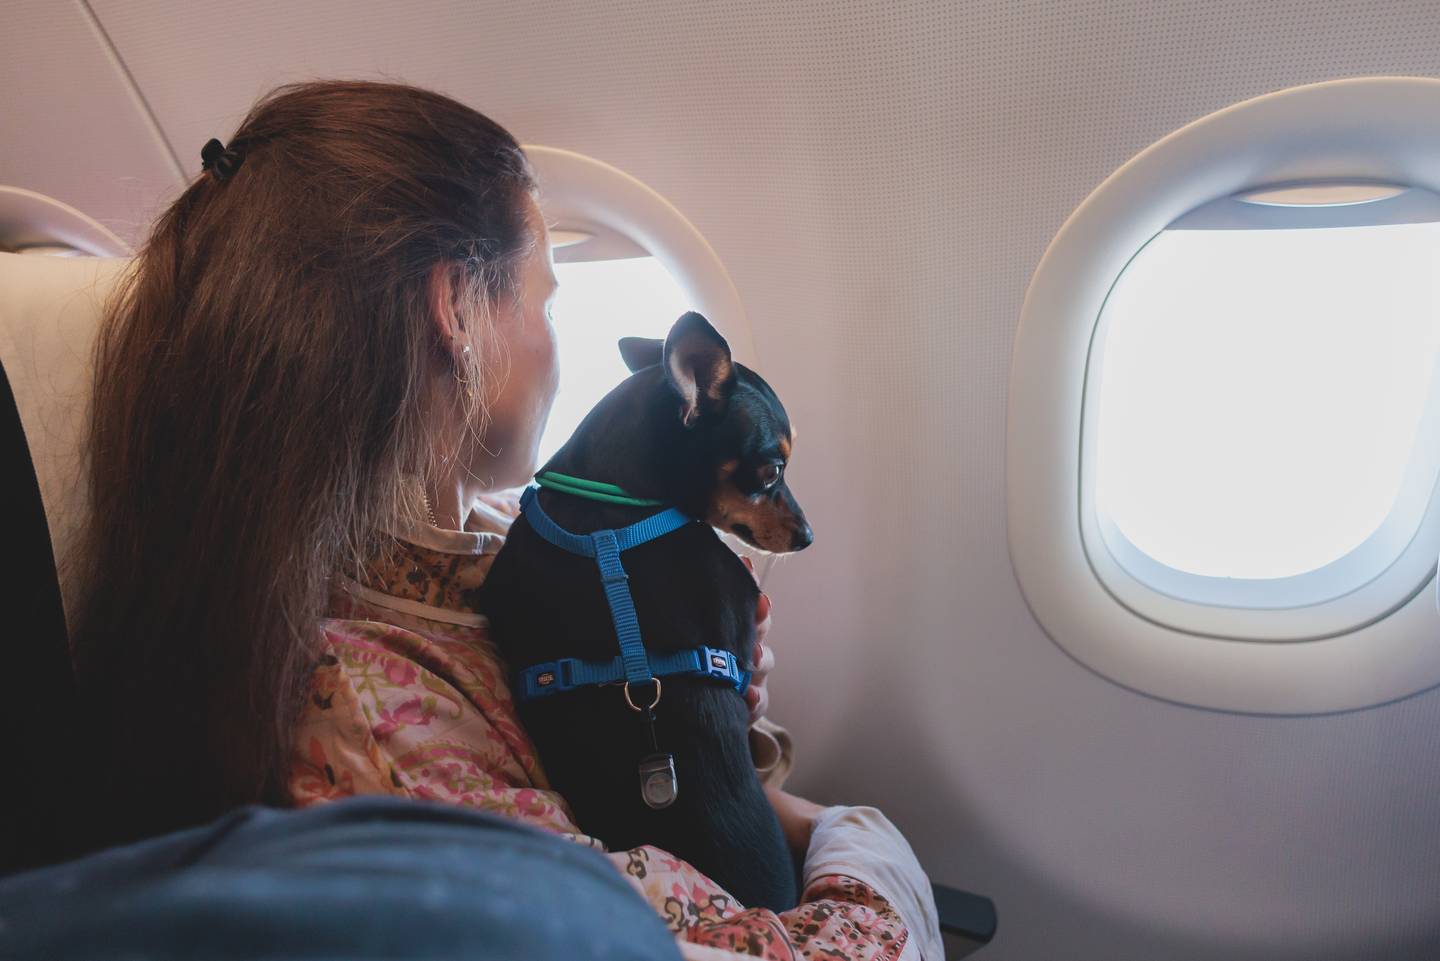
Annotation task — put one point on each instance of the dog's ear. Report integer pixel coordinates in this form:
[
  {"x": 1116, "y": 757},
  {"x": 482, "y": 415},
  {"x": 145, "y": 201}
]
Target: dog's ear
[
  {"x": 697, "y": 365},
  {"x": 641, "y": 352}
]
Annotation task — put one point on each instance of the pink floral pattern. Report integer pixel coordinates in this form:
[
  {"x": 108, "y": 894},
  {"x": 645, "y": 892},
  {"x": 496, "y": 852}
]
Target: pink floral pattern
[{"x": 402, "y": 704}]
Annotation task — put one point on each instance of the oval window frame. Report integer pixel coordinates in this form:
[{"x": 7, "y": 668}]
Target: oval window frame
[
  {"x": 31, "y": 222},
  {"x": 582, "y": 195},
  {"x": 1375, "y": 644}
]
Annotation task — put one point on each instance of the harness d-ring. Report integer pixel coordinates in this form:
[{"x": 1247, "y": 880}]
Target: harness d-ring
[{"x": 651, "y": 707}]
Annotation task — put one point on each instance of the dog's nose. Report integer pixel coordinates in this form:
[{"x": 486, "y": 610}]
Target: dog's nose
[{"x": 802, "y": 538}]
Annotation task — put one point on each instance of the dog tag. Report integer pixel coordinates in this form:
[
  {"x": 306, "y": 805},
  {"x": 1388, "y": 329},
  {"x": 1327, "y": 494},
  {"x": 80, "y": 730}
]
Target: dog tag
[{"x": 658, "y": 784}]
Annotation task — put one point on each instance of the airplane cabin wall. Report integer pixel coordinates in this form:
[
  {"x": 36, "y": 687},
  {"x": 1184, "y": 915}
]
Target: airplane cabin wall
[{"x": 881, "y": 178}]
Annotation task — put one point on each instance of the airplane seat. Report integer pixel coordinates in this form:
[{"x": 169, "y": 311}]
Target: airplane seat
[
  {"x": 50, "y": 308},
  {"x": 49, "y": 311}
]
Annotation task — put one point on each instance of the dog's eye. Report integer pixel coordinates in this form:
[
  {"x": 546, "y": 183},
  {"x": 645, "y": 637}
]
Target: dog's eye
[{"x": 770, "y": 475}]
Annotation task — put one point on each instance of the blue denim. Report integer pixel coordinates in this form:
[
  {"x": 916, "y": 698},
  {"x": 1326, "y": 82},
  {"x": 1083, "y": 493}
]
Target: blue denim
[{"x": 354, "y": 879}]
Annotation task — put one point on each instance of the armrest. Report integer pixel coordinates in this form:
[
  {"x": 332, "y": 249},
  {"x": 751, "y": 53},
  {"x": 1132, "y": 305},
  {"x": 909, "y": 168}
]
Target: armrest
[{"x": 968, "y": 915}]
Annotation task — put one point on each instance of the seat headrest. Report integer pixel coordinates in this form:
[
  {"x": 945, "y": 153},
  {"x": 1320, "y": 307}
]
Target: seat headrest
[{"x": 50, "y": 310}]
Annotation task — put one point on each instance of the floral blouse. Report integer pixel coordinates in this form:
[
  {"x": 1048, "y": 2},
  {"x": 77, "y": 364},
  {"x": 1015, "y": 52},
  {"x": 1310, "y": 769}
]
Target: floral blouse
[{"x": 411, "y": 698}]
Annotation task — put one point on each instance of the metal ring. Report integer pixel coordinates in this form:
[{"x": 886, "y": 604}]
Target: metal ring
[{"x": 651, "y": 707}]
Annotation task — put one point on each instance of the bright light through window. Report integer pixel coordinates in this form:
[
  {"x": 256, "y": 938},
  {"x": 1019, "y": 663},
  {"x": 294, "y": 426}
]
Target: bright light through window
[
  {"x": 599, "y": 302},
  {"x": 1262, "y": 390}
]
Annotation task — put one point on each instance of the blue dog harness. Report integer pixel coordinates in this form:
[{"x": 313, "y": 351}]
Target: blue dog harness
[
  {"x": 633, "y": 665},
  {"x": 659, "y": 784}
]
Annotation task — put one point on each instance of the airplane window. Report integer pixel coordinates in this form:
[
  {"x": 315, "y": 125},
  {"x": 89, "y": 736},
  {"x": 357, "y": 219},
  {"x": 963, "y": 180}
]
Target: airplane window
[
  {"x": 629, "y": 264},
  {"x": 598, "y": 303},
  {"x": 1223, "y": 438},
  {"x": 1262, "y": 387}
]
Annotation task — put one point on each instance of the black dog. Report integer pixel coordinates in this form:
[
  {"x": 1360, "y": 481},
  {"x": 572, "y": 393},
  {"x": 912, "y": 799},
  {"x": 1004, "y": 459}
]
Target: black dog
[{"x": 691, "y": 429}]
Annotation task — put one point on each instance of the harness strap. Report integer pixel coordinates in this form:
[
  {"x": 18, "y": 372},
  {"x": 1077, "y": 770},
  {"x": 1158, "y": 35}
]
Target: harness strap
[
  {"x": 633, "y": 666},
  {"x": 656, "y": 525},
  {"x": 622, "y": 606},
  {"x": 570, "y": 673}
]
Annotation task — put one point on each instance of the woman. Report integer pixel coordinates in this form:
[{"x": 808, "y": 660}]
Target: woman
[{"x": 334, "y": 346}]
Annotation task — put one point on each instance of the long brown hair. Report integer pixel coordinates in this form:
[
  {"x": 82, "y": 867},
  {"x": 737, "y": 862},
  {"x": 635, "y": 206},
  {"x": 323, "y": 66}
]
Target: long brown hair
[{"x": 261, "y": 386}]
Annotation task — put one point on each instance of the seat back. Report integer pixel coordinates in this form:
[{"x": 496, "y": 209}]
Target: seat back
[{"x": 50, "y": 308}]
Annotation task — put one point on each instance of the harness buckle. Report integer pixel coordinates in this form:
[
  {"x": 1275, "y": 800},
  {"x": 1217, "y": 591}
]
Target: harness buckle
[
  {"x": 718, "y": 664},
  {"x": 635, "y": 707}
]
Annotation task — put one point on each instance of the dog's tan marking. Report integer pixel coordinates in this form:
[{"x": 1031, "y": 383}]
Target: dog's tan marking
[{"x": 771, "y": 527}]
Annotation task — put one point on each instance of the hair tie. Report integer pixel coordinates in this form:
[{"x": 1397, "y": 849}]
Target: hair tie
[{"x": 220, "y": 161}]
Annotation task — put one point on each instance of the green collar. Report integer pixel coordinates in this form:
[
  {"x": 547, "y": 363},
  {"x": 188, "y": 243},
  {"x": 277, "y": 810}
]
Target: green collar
[{"x": 593, "y": 490}]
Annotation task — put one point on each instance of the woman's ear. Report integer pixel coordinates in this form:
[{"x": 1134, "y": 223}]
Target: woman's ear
[
  {"x": 445, "y": 312},
  {"x": 698, "y": 366},
  {"x": 641, "y": 352}
]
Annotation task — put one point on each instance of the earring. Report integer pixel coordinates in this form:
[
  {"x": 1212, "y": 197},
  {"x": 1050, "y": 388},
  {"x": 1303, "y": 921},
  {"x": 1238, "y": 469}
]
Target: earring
[{"x": 468, "y": 384}]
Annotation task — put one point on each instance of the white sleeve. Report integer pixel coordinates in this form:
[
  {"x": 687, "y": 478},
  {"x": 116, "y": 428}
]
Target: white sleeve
[{"x": 861, "y": 843}]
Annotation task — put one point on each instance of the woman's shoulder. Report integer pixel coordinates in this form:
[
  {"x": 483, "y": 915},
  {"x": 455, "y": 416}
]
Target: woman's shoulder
[
  {"x": 361, "y": 633},
  {"x": 420, "y": 713}
]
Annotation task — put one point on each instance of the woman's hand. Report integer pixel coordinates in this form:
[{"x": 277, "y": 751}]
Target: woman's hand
[
  {"x": 797, "y": 818},
  {"x": 756, "y": 697}
]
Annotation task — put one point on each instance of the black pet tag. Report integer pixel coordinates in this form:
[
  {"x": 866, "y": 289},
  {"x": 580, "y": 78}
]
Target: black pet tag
[{"x": 658, "y": 784}]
